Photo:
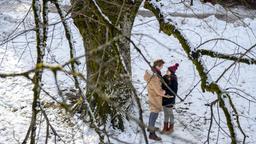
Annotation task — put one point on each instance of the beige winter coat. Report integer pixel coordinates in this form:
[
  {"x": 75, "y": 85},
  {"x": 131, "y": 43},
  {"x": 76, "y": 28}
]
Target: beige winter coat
[{"x": 154, "y": 91}]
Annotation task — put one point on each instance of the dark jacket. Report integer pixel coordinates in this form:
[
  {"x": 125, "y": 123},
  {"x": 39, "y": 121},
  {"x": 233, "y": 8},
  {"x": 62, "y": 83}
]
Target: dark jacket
[{"x": 172, "y": 82}]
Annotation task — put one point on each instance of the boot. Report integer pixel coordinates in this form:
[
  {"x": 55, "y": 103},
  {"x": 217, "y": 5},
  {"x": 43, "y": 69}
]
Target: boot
[
  {"x": 165, "y": 129},
  {"x": 153, "y": 136},
  {"x": 170, "y": 128},
  {"x": 152, "y": 129}
]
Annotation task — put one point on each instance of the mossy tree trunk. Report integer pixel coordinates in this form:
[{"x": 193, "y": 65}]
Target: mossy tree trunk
[{"x": 108, "y": 68}]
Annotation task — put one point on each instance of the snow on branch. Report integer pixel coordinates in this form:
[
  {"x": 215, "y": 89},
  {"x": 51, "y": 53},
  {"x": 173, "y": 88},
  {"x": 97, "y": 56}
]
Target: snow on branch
[
  {"x": 41, "y": 25},
  {"x": 215, "y": 54},
  {"x": 69, "y": 37},
  {"x": 99, "y": 9},
  {"x": 207, "y": 84}
]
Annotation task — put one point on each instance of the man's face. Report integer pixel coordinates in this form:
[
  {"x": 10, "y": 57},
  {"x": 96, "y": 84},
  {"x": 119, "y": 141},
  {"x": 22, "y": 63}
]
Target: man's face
[{"x": 160, "y": 67}]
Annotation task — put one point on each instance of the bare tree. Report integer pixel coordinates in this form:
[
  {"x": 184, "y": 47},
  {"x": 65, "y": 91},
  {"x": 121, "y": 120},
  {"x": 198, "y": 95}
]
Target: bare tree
[
  {"x": 224, "y": 99},
  {"x": 41, "y": 24},
  {"x": 105, "y": 26}
]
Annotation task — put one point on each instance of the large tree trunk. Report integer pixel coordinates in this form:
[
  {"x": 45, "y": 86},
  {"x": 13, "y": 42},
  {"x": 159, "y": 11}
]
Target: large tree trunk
[{"x": 108, "y": 68}]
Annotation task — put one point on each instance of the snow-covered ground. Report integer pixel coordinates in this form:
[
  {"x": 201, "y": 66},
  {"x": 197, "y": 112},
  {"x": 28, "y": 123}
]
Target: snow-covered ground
[
  {"x": 155, "y": 45},
  {"x": 192, "y": 116}
]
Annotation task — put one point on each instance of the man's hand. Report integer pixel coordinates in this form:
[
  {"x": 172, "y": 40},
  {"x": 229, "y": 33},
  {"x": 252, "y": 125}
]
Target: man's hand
[{"x": 168, "y": 96}]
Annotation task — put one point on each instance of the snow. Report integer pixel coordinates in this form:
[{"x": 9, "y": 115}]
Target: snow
[
  {"x": 191, "y": 116},
  {"x": 16, "y": 93},
  {"x": 198, "y": 30}
]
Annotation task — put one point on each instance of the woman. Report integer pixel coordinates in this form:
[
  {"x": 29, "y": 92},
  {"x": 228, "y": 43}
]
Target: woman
[{"x": 168, "y": 103}]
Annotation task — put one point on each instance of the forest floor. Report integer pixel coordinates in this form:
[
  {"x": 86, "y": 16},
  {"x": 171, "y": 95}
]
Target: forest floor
[{"x": 199, "y": 24}]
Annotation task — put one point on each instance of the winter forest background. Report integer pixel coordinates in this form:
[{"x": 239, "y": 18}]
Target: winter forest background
[{"x": 72, "y": 71}]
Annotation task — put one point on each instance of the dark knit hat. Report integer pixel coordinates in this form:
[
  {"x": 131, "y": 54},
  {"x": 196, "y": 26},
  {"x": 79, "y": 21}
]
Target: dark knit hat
[{"x": 173, "y": 68}]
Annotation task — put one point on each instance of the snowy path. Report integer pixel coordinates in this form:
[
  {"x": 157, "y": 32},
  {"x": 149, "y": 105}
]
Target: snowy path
[
  {"x": 181, "y": 133},
  {"x": 190, "y": 126}
]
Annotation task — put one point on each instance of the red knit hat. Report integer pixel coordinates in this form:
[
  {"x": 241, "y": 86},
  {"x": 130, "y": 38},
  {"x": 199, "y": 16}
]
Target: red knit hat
[{"x": 173, "y": 68}]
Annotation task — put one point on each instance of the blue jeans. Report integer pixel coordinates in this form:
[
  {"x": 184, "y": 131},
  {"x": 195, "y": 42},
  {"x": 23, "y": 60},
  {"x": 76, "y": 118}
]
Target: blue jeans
[{"x": 152, "y": 120}]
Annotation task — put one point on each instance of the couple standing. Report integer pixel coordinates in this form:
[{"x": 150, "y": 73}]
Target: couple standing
[{"x": 161, "y": 96}]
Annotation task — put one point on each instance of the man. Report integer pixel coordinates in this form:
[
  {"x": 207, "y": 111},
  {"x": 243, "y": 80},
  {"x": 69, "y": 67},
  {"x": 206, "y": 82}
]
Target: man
[{"x": 155, "y": 94}]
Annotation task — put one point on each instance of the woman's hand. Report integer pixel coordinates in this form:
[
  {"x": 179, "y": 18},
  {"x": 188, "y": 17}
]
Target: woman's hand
[{"x": 163, "y": 93}]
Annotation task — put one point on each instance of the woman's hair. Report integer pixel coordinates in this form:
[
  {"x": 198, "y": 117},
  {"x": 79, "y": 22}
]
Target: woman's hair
[{"x": 158, "y": 62}]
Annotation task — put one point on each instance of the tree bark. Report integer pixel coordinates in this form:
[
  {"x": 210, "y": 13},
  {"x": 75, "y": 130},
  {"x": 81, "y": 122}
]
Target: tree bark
[
  {"x": 41, "y": 24},
  {"x": 108, "y": 69}
]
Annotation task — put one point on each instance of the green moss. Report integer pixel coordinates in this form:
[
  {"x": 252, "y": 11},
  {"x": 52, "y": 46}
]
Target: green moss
[
  {"x": 170, "y": 29},
  {"x": 228, "y": 120},
  {"x": 39, "y": 66},
  {"x": 106, "y": 88}
]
